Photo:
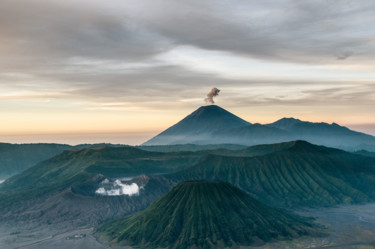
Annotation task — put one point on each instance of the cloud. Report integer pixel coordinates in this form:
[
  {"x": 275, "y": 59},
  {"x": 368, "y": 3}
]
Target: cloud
[
  {"x": 344, "y": 55},
  {"x": 46, "y": 33},
  {"x": 103, "y": 53},
  {"x": 49, "y": 32},
  {"x": 295, "y": 31},
  {"x": 174, "y": 87}
]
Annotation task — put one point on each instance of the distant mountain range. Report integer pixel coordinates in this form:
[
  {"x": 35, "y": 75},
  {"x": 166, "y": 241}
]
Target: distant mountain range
[
  {"x": 15, "y": 158},
  {"x": 208, "y": 128},
  {"x": 214, "y": 125},
  {"x": 205, "y": 214}
]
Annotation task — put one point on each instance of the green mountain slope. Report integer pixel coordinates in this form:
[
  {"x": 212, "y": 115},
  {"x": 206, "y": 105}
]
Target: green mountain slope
[
  {"x": 76, "y": 176},
  {"x": 15, "y": 158},
  {"x": 79, "y": 205},
  {"x": 78, "y": 165},
  {"x": 283, "y": 175},
  {"x": 300, "y": 174},
  {"x": 259, "y": 150},
  {"x": 190, "y": 147},
  {"x": 200, "y": 214},
  {"x": 365, "y": 153},
  {"x": 253, "y": 134}
]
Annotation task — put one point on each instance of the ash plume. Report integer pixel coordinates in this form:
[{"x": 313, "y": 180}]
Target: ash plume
[{"x": 210, "y": 96}]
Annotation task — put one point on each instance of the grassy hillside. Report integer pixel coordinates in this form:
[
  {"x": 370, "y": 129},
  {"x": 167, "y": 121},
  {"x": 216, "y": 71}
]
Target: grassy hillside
[
  {"x": 365, "y": 153},
  {"x": 200, "y": 214},
  {"x": 15, "y": 158},
  {"x": 78, "y": 165},
  {"x": 293, "y": 174},
  {"x": 300, "y": 174},
  {"x": 190, "y": 147},
  {"x": 82, "y": 171}
]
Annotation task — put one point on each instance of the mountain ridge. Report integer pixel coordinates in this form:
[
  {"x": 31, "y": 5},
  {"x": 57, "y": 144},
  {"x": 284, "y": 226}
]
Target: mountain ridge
[
  {"x": 284, "y": 175},
  {"x": 208, "y": 125},
  {"x": 293, "y": 174}
]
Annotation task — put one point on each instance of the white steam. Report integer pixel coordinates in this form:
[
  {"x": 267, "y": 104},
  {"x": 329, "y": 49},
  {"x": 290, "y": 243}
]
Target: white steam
[
  {"x": 210, "y": 96},
  {"x": 1, "y": 181},
  {"x": 117, "y": 188}
]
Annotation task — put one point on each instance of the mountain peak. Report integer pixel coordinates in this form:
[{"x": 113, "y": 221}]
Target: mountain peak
[
  {"x": 206, "y": 214},
  {"x": 210, "y": 108},
  {"x": 198, "y": 126},
  {"x": 212, "y": 111},
  {"x": 290, "y": 119},
  {"x": 285, "y": 123},
  {"x": 302, "y": 145}
]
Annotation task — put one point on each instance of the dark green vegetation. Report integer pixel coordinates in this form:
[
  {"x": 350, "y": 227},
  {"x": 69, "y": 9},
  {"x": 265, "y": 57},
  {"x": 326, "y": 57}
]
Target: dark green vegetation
[
  {"x": 78, "y": 165},
  {"x": 292, "y": 174},
  {"x": 201, "y": 214},
  {"x": 65, "y": 185},
  {"x": 190, "y": 147},
  {"x": 15, "y": 158},
  {"x": 60, "y": 172},
  {"x": 365, "y": 153},
  {"x": 214, "y": 125}
]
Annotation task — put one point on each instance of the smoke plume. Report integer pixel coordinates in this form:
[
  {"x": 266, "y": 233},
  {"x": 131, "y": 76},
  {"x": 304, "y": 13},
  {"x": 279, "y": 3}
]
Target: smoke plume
[
  {"x": 210, "y": 96},
  {"x": 117, "y": 187}
]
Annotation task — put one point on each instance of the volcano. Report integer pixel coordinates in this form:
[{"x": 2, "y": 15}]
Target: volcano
[
  {"x": 199, "y": 127},
  {"x": 205, "y": 214}
]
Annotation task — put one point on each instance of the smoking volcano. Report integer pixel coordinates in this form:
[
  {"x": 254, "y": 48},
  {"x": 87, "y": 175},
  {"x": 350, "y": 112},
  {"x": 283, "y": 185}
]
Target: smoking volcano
[{"x": 199, "y": 127}]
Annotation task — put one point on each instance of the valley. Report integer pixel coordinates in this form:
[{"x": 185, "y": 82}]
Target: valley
[{"x": 349, "y": 226}]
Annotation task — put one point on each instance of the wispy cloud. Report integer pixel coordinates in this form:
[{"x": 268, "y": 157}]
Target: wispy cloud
[{"x": 154, "y": 54}]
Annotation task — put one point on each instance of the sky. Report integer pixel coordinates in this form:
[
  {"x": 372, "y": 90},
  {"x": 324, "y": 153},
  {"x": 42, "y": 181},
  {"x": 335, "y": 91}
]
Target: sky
[{"x": 121, "y": 71}]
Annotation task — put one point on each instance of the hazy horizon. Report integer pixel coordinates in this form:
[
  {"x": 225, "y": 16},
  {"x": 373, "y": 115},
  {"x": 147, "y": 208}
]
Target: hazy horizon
[{"x": 121, "y": 137}]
